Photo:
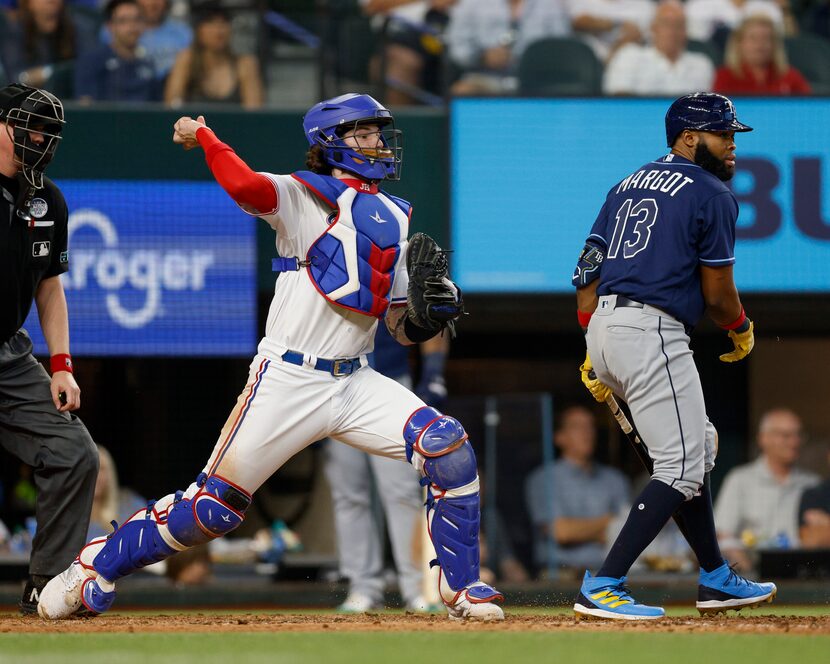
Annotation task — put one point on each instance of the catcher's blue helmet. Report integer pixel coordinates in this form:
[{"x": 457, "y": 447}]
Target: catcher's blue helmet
[
  {"x": 326, "y": 122},
  {"x": 701, "y": 111}
]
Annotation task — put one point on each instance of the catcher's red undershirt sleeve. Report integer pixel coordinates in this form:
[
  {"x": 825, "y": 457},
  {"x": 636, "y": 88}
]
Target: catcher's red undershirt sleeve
[{"x": 243, "y": 185}]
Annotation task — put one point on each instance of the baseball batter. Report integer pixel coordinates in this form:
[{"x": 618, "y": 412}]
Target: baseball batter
[
  {"x": 346, "y": 263},
  {"x": 660, "y": 253}
]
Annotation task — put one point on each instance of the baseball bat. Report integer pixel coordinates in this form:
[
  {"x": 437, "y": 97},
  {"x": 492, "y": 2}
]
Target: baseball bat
[{"x": 641, "y": 450}]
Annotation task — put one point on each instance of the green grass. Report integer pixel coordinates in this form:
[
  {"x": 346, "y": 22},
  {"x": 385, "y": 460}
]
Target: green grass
[
  {"x": 402, "y": 648},
  {"x": 423, "y": 647}
]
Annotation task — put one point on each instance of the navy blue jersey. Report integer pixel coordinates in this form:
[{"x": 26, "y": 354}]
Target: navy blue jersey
[{"x": 656, "y": 227}]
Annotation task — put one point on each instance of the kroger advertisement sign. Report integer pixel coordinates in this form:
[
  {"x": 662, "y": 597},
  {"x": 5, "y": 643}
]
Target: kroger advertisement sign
[
  {"x": 529, "y": 176},
  {"x": 157, "y": 268}
]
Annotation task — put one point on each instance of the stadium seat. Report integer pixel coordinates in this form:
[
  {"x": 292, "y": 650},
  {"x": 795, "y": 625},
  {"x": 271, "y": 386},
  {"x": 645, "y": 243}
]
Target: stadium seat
[
  {"x": 810, "y": 55},
  {"x": 708, "y": 48},
  {"x": 559, "y": 66}
]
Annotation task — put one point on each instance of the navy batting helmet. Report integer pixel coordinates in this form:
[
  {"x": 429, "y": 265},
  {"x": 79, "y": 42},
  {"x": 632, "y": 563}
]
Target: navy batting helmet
[
  {"x": 701, "y": 111},
  {"x": 326, "y": 122},
  {"x": 28, "y": 111}
]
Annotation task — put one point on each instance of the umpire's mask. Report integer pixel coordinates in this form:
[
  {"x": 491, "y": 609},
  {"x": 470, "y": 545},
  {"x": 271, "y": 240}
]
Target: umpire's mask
[{"x": 29, "y": 111}]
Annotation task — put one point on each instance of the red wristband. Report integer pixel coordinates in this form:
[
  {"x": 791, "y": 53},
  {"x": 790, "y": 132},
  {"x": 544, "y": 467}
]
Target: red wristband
[
  {"x": 737, "y": 322},
  {"x": 584, "y": 317},
  {"x": 60, "y": 362}
]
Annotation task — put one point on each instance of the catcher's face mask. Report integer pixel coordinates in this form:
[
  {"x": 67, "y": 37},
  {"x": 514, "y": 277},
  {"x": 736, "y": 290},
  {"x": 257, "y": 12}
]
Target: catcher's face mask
[{"x": 34, "y": 119}]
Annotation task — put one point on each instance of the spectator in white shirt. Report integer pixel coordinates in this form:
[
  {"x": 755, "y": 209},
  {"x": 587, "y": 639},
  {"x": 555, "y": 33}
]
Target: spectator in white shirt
[
  {"x": 663, "y": 68},
  {"x": 714, "y": 19},
  {"x": 486, "y": 38},
  {"x": 757, "y": 506},
  {"x": 606, "y": 25}
]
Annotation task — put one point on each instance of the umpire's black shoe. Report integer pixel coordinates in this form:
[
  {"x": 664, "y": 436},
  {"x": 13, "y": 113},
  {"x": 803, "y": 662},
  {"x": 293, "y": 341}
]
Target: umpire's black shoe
[{"x": 31, "y": 594}]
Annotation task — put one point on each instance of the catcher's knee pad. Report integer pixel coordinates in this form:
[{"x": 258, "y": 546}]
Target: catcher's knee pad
[
  {"x": 437, "y": 445},
  {"x": 449, "y": 466},
  {"x": 216, "y": 509}
]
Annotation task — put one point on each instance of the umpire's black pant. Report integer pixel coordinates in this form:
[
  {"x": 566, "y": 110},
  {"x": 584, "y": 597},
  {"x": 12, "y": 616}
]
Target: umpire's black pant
[{"x": 59, "y": 449}]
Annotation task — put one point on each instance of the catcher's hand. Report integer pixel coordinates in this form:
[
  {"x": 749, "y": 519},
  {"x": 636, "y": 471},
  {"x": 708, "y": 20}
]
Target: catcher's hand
[
  {"x": 598, "y": 390},
  {"x": 744, "y": 343},
  {"x": 433, "y": 301},
  {"x": 184, "y": 131}
]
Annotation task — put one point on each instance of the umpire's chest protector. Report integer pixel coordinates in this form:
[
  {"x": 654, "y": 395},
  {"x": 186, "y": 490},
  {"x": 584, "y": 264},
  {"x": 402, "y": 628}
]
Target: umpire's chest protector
[{"x": 352, "y": 264}]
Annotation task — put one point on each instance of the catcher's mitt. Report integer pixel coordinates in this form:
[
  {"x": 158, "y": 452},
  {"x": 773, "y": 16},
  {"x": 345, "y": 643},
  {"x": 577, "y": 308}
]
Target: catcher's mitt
[{"x": 433, "y": 301}]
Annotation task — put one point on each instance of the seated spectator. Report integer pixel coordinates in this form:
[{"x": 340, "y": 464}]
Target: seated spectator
[
  {"x": 814, "y": 516},
  {"x": 756, "y": 62},
  {"x": 757, "y": 506},
  {"x": 208, "y": 71},
  {"x": 163, "y": 38},
  {"x": 111, "y": 502},
  {"x": 713, "y": 20},
  {"x": 118, "y": 71},
  {"x": 487, "y": 41},
  {"x": 413, "y": 46},
  {"x": 664, "y": 67},
  {"x": 41, "y": 35},
  {"x": 607, "y": 25},
  {"x": 573, "y": 501}
]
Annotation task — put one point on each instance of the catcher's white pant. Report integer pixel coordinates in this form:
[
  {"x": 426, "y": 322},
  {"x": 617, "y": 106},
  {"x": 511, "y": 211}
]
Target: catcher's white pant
[{"x": 285, "y": 407}]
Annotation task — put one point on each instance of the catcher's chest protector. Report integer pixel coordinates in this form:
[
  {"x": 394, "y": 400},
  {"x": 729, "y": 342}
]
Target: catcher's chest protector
[{"x": 352, "y": 264}]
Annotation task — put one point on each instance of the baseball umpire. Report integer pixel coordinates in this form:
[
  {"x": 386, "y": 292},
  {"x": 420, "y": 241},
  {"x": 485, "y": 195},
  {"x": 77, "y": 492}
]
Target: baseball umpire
[
  {"x": 660, "y": 253},
  {"x": 36, "y": 424}
]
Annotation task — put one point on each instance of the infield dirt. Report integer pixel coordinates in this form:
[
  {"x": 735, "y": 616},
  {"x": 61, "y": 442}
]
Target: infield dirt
[{"x": 246, "y": 622}]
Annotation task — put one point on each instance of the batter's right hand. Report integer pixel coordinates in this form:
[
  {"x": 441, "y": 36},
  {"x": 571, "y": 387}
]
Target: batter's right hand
[
  {"x": 184, "y": 131},
  {"x": 598, "y": 390}
]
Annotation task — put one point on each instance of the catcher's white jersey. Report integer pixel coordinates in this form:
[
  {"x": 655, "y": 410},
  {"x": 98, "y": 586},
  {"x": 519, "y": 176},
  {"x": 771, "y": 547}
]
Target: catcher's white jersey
[
  {"x": 300, "y": 318},
  {"x": 285, "y": 407}
]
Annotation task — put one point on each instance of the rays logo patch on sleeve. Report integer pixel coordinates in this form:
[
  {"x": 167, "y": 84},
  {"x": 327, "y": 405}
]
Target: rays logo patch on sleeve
[{"x": 40, "y": 249}]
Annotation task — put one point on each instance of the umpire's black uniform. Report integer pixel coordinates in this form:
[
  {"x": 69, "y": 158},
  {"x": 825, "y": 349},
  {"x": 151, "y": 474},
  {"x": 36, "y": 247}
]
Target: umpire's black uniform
[{"x": 56, "y": 445}]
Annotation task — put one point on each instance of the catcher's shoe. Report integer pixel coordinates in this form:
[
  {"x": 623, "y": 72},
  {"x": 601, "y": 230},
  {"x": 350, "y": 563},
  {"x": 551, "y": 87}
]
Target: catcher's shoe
[
  {"x": 607, "y": 597},
  {"x": 723, "y": 589},
  {"x": 63, "y": 596},
  {"x": 475, "y": 602}
]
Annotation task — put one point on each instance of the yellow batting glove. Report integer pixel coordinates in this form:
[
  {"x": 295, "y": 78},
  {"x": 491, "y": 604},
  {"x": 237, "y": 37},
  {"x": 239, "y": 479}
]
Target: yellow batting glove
[
  {"x": 744, "y": 343},
  {"x": 598, "y": 390}
]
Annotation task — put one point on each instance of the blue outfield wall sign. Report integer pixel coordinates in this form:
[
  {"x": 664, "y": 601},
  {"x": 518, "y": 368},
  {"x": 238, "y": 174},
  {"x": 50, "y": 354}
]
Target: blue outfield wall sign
[
  {"x": 157, "y": 269},
  {"x": 530, "y": 175}
]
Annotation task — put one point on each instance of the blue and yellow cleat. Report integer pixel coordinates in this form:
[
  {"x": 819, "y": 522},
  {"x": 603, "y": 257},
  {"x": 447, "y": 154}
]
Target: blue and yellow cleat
[
  {"x": 606, "y": 597},
  {"x": 723, "y": 589}
]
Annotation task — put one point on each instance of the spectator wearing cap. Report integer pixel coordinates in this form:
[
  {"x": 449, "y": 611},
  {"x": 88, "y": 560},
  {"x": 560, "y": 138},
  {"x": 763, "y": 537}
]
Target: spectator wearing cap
[
  {"x": 118, "y": 71},
  {"x": 756, "y": 62},
  {"x": 814, "y": 516},
  {"x": 664, "y": 66}
]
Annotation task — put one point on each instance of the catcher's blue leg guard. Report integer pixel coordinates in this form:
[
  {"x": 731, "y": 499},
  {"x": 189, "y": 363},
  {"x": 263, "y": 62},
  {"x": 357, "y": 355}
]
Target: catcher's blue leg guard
[
  {"x": 437, "y": 444},
  {"x": 172, "y": 524}
]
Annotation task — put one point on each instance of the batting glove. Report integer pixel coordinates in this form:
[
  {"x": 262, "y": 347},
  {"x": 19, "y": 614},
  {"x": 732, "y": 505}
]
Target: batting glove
[
  {"x": 598, "y": 390},
  {"x": 744, "y": 343}
]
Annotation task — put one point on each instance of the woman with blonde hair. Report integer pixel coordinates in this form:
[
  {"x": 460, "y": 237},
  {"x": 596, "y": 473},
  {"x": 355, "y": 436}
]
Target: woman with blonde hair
[
  {"x": 208, "y": 71},
  {"x": 756, "y": 62},
  {"x": 111, "y": 502}
]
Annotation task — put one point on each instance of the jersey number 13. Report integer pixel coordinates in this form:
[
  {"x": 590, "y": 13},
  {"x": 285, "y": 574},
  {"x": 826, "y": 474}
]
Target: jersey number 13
[{"x": 633, "y": 227}]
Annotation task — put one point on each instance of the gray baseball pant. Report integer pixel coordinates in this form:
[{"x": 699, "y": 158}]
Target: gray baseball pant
[{"x": 59, "y": 449}]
